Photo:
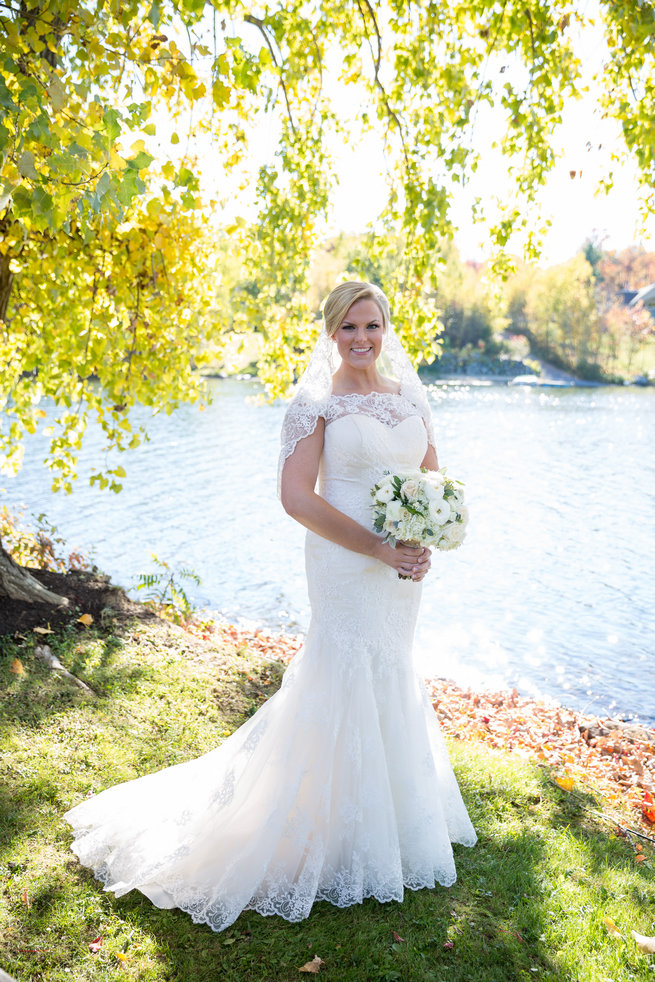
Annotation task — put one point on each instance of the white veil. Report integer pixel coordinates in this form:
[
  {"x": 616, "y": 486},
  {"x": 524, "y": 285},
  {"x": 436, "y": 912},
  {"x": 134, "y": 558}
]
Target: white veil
[{"x": 314, "y": 389}]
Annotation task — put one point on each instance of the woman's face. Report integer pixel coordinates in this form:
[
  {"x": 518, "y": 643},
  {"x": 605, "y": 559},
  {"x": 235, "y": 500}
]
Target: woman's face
[{"x": 359, "y": 336}]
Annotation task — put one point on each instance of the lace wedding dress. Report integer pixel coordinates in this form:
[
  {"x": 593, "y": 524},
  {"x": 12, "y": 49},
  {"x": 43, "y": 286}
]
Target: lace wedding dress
[{"x": 339, "y": 787}]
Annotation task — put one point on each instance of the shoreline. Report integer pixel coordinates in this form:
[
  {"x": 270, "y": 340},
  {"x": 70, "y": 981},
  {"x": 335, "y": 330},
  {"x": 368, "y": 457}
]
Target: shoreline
[{"x": 610, "y": 756}]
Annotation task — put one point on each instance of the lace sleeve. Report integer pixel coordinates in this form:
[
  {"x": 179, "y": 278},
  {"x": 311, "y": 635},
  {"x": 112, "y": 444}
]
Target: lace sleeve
[{"x": 299, "y": 421}]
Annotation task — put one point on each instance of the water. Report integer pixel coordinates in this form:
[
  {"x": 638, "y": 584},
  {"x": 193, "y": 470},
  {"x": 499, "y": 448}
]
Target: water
[{"x": 551, "y": 593}]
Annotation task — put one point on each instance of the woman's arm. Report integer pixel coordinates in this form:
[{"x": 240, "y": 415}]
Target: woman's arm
[
  {"x": 430, "y": 460},
  {"x": 299, "y": 500}
]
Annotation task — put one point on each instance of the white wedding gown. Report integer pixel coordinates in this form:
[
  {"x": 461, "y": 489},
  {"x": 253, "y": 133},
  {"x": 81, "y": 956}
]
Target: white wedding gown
[{"x": 339, "y": 787}]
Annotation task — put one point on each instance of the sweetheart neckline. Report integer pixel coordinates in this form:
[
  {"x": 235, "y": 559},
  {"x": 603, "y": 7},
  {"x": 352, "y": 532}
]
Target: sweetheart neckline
[{"x": 388, "y": 426}]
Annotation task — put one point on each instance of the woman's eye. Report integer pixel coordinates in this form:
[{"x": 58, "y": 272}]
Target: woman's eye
[{"x": 373, "y": 327}]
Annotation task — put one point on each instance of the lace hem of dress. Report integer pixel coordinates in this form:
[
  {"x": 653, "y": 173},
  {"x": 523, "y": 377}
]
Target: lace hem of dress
[{"x": 290, "y": 901}]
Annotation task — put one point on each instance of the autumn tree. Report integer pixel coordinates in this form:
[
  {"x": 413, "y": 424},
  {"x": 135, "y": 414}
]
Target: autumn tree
[
  {"x": 99, "y": 97},
  {"x": 561, "y": 313}
]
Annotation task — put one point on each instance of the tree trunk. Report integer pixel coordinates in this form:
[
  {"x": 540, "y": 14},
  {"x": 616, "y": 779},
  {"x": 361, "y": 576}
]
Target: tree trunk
[
  {"x": 17, "y": 584},
  {"x": 6, "y": 283}
]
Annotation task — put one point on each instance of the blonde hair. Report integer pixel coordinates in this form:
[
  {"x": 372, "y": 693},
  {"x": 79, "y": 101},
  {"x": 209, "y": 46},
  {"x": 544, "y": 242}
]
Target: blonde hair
[{"x": 339, "y": 302}]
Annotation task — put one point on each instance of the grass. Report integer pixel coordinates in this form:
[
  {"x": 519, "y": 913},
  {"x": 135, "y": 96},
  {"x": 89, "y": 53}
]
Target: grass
[{"x": 529, "y": 903}]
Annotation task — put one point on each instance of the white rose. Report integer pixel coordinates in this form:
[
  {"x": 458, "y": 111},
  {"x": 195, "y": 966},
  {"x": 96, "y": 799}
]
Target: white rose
[
  {"x": 436, "y": 478},
  {"x": 452, "y": 537},
  {"x": 433, "y": 493},
  {"x": 440, "y": 511},
  {"x": 394, "y": 511},
  {"x": 384, "y": 494},
  {"x": 410, "y": 490}
]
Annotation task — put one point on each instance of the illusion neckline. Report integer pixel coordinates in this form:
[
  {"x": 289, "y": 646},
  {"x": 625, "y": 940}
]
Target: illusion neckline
[{"x": 364, "y": 395}]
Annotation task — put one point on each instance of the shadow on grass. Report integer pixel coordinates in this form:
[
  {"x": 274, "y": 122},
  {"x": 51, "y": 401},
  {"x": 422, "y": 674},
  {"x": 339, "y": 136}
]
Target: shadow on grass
[
  {"x": 493, "y": 925},
  {"x": 486, "y": 928}
]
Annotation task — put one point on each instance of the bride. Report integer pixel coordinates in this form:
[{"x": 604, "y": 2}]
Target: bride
[{"x": 339, "y": 787}]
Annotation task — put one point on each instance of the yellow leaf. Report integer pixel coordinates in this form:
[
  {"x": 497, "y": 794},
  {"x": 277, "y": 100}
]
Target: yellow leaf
[
  {"x": 42, "y": 630},
  {"x": 138, "y": 147},
  {"x": 565, "y": 783},
  {"x": 121, "y": 957},
  {"x": 16, "y": 667},
  {"x": 314, "y": 966},
  {"x": 85, "y": 619},
  {"x": 612, "y": 928},
  {"x": 644, "y": 944},
  {"x": 116, "y": 161}
]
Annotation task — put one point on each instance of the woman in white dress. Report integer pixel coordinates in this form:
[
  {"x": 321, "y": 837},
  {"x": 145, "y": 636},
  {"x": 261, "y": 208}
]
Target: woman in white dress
[{"x": 339, "y": 787}]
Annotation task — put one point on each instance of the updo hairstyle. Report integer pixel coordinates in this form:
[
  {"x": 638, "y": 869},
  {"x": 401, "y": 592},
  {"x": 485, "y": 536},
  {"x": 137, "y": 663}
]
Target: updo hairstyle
[{"x": 344, "y": 296}]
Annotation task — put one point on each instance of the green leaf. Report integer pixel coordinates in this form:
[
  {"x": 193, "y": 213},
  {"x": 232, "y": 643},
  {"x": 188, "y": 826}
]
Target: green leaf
[
  {"x": 26, "y": 165},
  {"x": 141, "y": 160},
  {"x": 111, "y": 124},
  {"x": 57, "y": 92},
  {"x": 154, "y": 14}
]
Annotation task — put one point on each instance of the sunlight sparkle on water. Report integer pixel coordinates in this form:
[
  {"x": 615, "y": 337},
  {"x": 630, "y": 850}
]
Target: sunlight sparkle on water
[{"x": 556, "y": 568}]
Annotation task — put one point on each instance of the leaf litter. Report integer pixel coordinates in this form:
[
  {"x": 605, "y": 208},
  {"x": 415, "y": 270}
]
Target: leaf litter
[{"x": 614, "y": 758}]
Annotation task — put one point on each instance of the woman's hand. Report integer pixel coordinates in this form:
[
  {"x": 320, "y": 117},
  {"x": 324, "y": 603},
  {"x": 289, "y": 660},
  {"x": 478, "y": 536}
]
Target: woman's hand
[{"x": 406, "y": 559}]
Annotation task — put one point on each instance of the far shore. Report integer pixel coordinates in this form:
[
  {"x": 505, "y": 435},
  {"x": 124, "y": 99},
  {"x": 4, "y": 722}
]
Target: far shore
[{"x": 550, "y": 376}]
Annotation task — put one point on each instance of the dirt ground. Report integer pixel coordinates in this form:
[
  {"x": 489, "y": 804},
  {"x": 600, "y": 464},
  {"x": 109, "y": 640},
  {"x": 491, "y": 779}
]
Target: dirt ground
[{"x": 87, "y": 593}]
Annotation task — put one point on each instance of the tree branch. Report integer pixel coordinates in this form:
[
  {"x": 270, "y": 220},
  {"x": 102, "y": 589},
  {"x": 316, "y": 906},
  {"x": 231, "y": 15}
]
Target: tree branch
[
  {"x": 259, "y": 24},
  {"x": 376, "y": 72}
]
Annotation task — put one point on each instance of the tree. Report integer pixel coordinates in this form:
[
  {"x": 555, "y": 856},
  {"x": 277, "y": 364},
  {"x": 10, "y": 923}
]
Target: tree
[
  {"x": 561, "y": 312},
  {"x": 97, "y": 98}
]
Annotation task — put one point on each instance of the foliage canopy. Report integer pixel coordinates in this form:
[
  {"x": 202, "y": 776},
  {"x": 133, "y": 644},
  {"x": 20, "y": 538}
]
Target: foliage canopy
[{"x": 114, "y": 114}]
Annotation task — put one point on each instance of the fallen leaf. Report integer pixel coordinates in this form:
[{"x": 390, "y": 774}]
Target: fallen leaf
[
  {"x": 85, "y": 619},
  {"x": 449, "y": 945},
  {"x": 121, "y": 957},
  {"x": 96, "y": 945},
  {"x": 42, "y": 630},
  {"x": 397, "y": 937},
  {"x": 648, "y": 807},
  {"x": 565, "y": 783},
  {"x": 25, "y": 898},
  {"x": 644, "y": 944},
  {"x": 612, "y": 928},
  {"x": 16, "y": 667},
  {"x": 314, "y": 966},
  {"x": 640, "y": 859}
]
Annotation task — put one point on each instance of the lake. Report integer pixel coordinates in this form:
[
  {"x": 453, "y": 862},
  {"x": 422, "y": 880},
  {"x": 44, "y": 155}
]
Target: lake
[{"x": 552, "y": 591}]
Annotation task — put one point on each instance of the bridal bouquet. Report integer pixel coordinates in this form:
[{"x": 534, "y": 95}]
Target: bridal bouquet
[{"x": 423, "y": 507}]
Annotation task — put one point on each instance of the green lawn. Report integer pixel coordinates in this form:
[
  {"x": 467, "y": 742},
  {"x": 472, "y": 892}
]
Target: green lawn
[{"x": 530, "y": 901}]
